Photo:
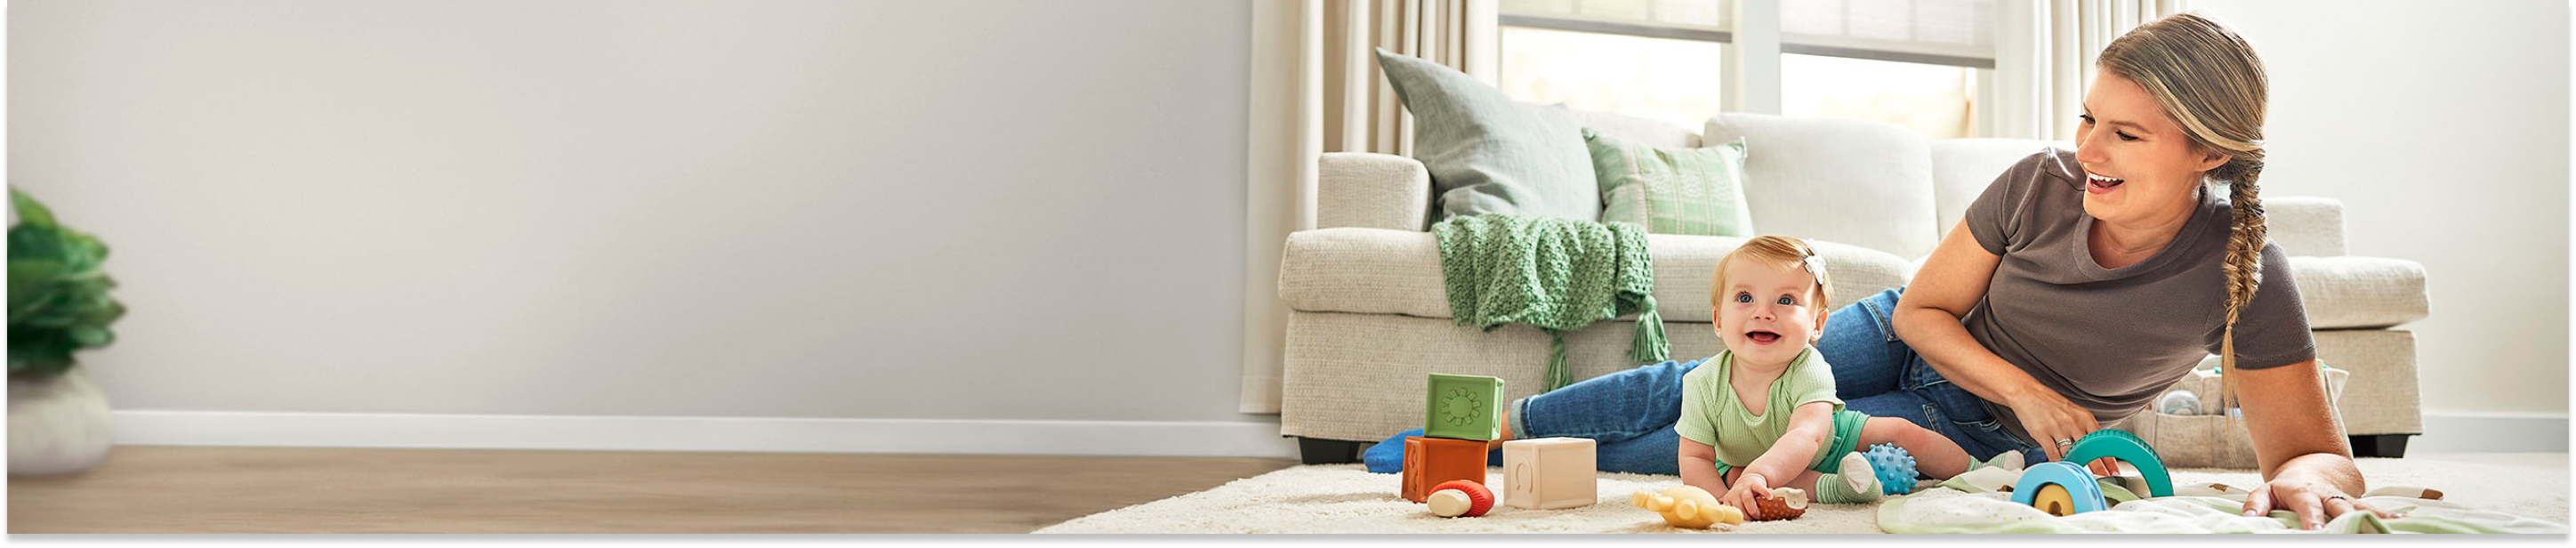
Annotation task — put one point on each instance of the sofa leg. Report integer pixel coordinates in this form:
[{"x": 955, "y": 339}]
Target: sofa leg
[
  {"x": 1322, "y": 451},
  {"x": 2380, "y": 445}
]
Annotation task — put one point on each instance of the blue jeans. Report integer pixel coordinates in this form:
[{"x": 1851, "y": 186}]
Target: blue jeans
[{"x": 1630, "y": 414}]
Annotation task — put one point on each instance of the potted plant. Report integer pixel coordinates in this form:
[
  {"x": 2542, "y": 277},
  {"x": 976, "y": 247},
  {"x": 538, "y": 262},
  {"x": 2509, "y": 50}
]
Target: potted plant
[{"x": 58, "y": 304}]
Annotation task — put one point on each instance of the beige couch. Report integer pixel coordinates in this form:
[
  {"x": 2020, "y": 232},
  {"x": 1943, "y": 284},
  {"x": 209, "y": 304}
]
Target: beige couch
[{"x": 1370, "y": 318}]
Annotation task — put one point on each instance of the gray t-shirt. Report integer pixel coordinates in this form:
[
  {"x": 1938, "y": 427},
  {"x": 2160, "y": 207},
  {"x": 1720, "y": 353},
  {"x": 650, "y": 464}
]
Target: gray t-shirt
[{"x": 2112, "y": 339}]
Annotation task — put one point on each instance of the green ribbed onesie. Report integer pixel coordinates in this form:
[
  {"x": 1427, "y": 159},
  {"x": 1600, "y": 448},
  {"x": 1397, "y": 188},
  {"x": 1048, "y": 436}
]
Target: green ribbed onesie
[{"x": 1711, "y": 414}]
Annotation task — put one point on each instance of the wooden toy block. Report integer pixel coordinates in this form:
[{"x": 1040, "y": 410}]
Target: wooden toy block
[
  {"x": 1430, "y": 462},
  {"x": 1464, "y": 407},
  {"x": 1549, "y": 473}
]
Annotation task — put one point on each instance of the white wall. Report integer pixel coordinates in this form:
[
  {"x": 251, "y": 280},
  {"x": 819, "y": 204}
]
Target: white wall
[
  {"x": 2443, "y": 127},
  {"x": 821, "y": 209}
]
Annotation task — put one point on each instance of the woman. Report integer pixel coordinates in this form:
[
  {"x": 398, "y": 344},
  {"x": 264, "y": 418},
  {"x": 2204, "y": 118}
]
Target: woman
[{"x": 2074, "y": 290}]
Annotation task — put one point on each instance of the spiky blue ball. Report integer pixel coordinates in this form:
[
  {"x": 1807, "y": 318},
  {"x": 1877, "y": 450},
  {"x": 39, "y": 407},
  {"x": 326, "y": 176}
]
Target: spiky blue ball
[{"x": 1894, "y": 466}]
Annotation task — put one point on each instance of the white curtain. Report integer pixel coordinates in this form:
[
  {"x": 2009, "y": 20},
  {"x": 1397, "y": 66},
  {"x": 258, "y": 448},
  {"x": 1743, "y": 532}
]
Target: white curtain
[
  {"x": 1315, "y": 89},
  {"x": 2044, "y": 58}
]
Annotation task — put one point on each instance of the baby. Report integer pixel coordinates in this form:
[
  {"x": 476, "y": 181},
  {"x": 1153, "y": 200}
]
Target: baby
[{"x": 1761, "y": 414}]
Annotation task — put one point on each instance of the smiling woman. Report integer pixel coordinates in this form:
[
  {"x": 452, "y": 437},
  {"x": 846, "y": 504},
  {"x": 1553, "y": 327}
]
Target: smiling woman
[{"x": 2176, "y": 108}]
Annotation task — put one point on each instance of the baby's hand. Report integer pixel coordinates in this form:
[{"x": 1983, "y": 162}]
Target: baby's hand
[{"x": 1747, "y": 489}]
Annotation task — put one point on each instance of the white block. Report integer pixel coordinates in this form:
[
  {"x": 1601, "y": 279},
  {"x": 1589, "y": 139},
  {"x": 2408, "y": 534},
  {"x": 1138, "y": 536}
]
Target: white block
[{"x": 1549, "y": 473}]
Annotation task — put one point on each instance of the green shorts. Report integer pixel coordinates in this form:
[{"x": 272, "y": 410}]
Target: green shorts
[{"x": 1847, "y": 425}]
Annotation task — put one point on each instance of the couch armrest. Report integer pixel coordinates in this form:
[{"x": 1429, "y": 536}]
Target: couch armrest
[
  {"x": 2360, "y": 292},
  {"x": 1370, "y": 190},
  {"x": 2305, "y": 225}
]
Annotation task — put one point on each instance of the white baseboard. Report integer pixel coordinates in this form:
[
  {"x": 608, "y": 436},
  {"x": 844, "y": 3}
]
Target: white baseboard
[
  {"x": 2491, "y": 433},
  {"x": 610, "y": 433}
]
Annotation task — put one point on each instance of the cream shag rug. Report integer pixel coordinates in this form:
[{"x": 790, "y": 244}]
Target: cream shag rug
[{"x": 1345, "y": 498}]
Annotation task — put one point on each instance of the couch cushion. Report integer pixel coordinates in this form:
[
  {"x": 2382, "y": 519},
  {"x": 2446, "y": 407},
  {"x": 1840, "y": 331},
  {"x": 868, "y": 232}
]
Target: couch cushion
[
  {"x": 1850, "y": 181},
  {"x": 1672, "y": 190},
  {"x": 1488, "y": 153},
  {"x": 2358, "y": 292},
  {"x": 1963, "y": 168},
  {"x": 1377, "y": 271},
  {"x": 2305, "y": 225}
]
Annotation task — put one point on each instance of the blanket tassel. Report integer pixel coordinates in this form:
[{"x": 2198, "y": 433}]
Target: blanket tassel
[
  {"x": 1558, "y": 374},
  {"x": 1648, "y": 345}
]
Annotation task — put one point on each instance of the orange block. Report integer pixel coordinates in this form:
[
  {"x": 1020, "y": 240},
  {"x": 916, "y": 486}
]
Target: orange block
[{"x": 1431, "y": 461}]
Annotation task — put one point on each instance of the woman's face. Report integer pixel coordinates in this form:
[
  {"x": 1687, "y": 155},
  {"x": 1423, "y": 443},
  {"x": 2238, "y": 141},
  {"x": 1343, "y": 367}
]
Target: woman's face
[{"x": 2139, "y": 165}]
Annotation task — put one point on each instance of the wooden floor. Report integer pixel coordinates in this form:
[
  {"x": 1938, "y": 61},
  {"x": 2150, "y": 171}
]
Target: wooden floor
[{"x": 144, "y": 489}]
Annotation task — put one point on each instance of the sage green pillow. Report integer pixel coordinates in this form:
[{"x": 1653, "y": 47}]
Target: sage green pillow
[
  {"x": 1672, "y": 191},
  {"x": 1488, "y": 153}
]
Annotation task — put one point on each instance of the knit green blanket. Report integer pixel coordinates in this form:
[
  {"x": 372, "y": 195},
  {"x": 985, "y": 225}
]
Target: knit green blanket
[{"x": 1554, "y": 274}]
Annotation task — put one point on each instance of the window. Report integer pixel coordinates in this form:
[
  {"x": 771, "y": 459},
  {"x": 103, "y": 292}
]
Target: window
[
  {"x": 1630, "y": 75},
  {"x": 1937, "y": 100},
  {"x": 1913, "y": 63}
]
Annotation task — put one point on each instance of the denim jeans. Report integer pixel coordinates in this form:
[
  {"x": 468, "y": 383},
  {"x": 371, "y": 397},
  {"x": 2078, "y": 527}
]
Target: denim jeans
[{"x": 1630, "y": 414}]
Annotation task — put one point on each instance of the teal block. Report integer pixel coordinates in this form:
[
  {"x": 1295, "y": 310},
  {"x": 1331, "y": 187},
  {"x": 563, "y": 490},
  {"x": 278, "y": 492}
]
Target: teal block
[{"x": 1464, "y": 407}]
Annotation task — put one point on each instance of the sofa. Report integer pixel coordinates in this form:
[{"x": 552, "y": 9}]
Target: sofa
[{"x": 1369, "y": 317}]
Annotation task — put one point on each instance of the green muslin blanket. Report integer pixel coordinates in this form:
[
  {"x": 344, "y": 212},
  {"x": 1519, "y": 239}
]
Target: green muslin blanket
[
  {"x": 1974, "y": 505},
  {"x": 1554, "y": 274}
]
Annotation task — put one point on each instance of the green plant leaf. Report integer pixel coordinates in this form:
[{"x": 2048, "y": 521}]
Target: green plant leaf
[
  {"x": 29, "y": 210},
  {"x": 58, "y": 296}
]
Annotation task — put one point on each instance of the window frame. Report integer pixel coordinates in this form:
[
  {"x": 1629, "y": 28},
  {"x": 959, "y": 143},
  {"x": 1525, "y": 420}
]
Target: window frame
[{"x": 1752, "y": 79}]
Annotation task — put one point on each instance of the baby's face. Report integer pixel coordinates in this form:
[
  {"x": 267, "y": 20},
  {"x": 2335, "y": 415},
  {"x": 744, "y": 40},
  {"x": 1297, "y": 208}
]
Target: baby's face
[{"x": 1767, "y": 315}]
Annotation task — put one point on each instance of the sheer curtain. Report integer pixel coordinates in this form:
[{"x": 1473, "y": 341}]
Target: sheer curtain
[
  {"x": 1315, "y": 88},
  {"x": 2044, "y": 58}
]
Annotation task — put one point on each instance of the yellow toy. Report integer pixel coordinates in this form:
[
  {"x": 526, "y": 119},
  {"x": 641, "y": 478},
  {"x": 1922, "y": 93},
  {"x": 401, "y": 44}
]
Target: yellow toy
[{"x": 1688, "y": 506}]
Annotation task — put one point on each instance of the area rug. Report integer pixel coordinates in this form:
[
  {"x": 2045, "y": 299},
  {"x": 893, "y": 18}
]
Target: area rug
[{"x": 1345, "y": 498}]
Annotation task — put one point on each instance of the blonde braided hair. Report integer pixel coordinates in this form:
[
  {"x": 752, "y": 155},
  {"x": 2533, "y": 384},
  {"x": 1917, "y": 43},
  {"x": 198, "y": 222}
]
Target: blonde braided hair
[{"x": 2210, "y": 83}]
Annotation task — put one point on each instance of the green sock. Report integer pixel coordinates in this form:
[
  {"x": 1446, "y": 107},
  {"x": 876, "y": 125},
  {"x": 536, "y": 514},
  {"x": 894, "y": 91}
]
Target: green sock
[{"x": 1840, "y": 488}]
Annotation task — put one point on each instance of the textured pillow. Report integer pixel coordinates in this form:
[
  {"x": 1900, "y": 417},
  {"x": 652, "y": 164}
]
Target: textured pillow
[
  {"x": 1488, "y": 153},
  {"x": 1672, "y": 191}
]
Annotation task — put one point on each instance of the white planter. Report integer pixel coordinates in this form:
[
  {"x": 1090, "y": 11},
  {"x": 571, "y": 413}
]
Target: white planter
[{"x": 58, "y": 426}]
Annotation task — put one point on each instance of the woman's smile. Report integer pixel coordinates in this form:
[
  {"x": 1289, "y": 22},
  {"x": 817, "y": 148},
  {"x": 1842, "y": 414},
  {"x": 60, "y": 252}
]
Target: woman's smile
[{"x": 2098, "y": 184}]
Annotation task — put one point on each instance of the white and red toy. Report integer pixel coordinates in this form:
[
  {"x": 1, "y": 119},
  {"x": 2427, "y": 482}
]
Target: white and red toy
[{"x": 1460, "y": 498}]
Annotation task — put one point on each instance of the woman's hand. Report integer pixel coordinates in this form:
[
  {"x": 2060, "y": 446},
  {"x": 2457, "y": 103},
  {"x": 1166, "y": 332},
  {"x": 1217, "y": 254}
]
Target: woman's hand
[
  {"x": 2050, "y": 420},
  {"x": 2310, "y": 497},
  {"x": 2307, "y": 469},
  {"x": 1747, "y": 488}
]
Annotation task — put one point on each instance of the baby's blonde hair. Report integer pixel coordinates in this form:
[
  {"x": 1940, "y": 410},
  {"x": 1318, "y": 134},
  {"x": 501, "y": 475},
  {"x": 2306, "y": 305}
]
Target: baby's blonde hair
[{"x": 1775, "y": 251}]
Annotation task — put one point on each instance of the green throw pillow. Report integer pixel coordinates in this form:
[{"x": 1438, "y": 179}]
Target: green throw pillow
[
  {"x": 1488, "y": 153},
  {"x": 1672, "y": 191}
]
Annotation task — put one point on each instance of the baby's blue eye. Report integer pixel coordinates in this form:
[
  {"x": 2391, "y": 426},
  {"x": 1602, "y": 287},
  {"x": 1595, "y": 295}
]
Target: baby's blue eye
[
  {"x": 1744, "y": 297},
  {"x": 1784, "y": 300}
]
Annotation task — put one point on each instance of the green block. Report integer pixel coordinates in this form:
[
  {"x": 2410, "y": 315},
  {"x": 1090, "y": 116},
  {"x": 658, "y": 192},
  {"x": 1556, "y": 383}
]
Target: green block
[{"x": 1464, "y": 407}]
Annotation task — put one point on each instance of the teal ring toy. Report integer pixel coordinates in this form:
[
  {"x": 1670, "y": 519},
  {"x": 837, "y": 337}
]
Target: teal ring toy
[
  {"x": 2128, "y": 448},
  {"x": 2079, "y": 485}
]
